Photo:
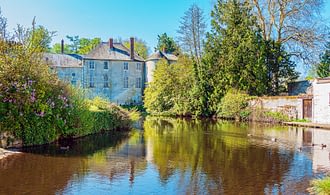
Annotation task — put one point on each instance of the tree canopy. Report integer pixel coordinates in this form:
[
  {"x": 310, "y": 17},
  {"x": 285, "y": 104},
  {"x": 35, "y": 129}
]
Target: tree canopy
[
  {"x": 167, "y": 44},
  {"x": 140, "y": 47}
]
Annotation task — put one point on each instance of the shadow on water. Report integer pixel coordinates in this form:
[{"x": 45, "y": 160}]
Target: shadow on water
[{"x": 84, "y": 146}]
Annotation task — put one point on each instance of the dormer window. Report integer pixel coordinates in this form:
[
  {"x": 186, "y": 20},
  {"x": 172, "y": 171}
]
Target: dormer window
[{"x": 125, "y": 65}]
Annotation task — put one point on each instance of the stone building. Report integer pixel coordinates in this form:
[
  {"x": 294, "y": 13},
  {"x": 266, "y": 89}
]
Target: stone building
[
  {"x": 114, "y": 72},
  {"x": 110, "y": 71}
]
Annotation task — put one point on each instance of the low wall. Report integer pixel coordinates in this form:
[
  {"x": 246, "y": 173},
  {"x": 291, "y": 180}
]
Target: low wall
[{"x": 292, "y": 105}]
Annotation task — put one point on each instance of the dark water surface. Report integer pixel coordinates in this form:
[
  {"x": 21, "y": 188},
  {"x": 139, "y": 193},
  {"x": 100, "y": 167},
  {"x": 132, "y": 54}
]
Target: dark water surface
[{"x": 174, "y": 156}]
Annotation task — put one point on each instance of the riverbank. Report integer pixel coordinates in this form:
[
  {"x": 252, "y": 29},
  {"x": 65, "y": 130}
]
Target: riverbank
[
  {"x": 306, "y": 124},
  {"x": 5, "y": 153}
]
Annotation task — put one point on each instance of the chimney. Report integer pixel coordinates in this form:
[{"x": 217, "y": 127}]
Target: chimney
[
  {"x": 111, "y": 43},
  {"x": 62, "y": 46},
  {"x": 132, "y": 48}
]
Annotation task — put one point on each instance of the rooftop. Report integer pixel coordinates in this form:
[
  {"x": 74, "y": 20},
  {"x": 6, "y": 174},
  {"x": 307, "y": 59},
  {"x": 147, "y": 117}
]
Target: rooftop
[
  {"x": 119, "y": 52},
  {"x": 159, "y": 55},
  {"x": 63, "y": 60}
]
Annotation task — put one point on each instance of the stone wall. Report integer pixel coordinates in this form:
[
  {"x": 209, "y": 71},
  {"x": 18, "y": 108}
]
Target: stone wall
[{"x": 290, "y": 105}]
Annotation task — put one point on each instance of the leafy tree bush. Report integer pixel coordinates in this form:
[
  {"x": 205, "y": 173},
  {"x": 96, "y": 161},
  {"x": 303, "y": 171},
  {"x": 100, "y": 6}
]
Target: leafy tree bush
[
  {"x": 170, "y": 90},
  {"x": 234, "y": 105},
  {"x": 38, "y": 108}
]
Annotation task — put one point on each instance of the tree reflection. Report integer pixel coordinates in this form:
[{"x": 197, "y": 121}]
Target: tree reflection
[{"x": 213, "y": 157}]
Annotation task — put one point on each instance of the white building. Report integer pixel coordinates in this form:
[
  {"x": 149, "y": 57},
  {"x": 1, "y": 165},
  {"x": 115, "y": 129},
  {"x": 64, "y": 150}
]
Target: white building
[
  {"x": 321, "y": 100},
  {"x": 110, "y": 71},
  {"x": 114, "y": 72}
]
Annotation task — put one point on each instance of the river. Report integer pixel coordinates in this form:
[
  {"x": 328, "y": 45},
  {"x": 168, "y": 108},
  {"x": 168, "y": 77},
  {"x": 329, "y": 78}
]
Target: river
[{"x": 174, "y": 156}]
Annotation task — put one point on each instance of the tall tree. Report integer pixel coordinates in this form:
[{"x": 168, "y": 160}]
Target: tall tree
[
  {"x": 140, "y": 45},
  {"x": 168, "y": 44},
  {"x": 3, "y": 26},
  {"x": 323, "y": 68},
  {"x": 234, "y": 52},
  {"x": 192, "y": 31},
  {"x": 75, "y": 42},
  {"x": 295, "y": 24}
]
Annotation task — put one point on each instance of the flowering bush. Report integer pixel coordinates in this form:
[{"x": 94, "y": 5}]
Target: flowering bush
[{"x": 38, "y": 108}]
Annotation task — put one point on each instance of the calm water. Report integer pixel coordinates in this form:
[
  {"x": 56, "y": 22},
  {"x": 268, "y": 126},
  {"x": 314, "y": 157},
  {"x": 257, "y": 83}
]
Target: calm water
[{"x": 174, "y": 156}]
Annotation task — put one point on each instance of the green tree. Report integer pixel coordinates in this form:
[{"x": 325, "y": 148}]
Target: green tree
[
  {"x": 140, "y": 47},
  {"x": 57, "y": 48},
  {"x": 86, "y": 45},
  {"x": 170, "y": 89},
  {"x": 77, "y": 45},
  {"x": 280, "y": 68},
  {"x": 74, "y": 43},
  {"x": 168, "y": 44},
  {"x": 234, "y": 56},
  {"x": 323, "y": 68}
]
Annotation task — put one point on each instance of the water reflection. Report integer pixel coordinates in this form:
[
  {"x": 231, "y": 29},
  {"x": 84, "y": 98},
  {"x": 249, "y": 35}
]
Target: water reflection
[{"x": 174, "y": 156}]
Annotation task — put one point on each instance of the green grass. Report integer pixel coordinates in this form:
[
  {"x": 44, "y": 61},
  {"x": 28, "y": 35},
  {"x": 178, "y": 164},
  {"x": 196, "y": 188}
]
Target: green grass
[
  {"x": 321, "y": 186},
  {"x": 301, "y": 120}
]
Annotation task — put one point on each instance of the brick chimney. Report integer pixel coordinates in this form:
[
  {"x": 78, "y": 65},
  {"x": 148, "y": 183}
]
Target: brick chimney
[
  {"x": 132, "y": 48},
  {"x": 62, "y": 46},
  {"x": 111, "y": 43}
]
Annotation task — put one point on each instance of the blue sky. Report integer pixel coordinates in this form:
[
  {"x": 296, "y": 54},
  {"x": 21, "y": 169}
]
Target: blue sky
[
  {"x": 144, "y": 19},
  {"x": 106, "y": 18}
]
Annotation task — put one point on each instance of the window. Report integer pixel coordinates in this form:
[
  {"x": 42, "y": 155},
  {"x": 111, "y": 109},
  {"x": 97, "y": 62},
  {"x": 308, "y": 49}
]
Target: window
[
  {"x": 125, "y": 65},
  {"x": 91, "y": 65},
  {"x": 106, "y": 81},
  {"x": 138, "y": 66},
  {"x": 125, "y": 82},
  {"x": 106, "y": 66},
  {"x": 91, "y": 81},
  {"x": 73, "y": 79},
  {"x": 138, "y": 83}
]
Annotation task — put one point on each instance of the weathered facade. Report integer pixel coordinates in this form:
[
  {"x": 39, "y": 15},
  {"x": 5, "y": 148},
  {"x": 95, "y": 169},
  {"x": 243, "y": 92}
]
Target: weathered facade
[
  {"x": 110, "y": 70},
  {"x": 321, "y": 100},
  {"x": 69, "y": 68},
  {"x": 114, "y": 72}
]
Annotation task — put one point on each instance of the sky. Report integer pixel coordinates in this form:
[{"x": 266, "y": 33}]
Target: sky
[
  {"x": 144, "y": 19},
  {"x": 106, "y": 19}
]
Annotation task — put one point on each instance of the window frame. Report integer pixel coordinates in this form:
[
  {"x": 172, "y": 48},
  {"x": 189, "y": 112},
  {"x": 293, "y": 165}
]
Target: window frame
[
  {"x": 91, "y": 81},
  {"x": 105, "y": 64},
  {"x": 91, "y": 65},
  {"x": 126, "y": 84},
  {"x": 105, "y": 81},
  {"x": 126, "y": 66},
  {"x": 138, "y": 83}
]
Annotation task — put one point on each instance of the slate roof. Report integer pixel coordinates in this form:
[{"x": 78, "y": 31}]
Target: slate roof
[
  {"x": 159, "y": 55},
  {"x": 119, "y": 52},
  {"x": 63, "y": 60}
]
